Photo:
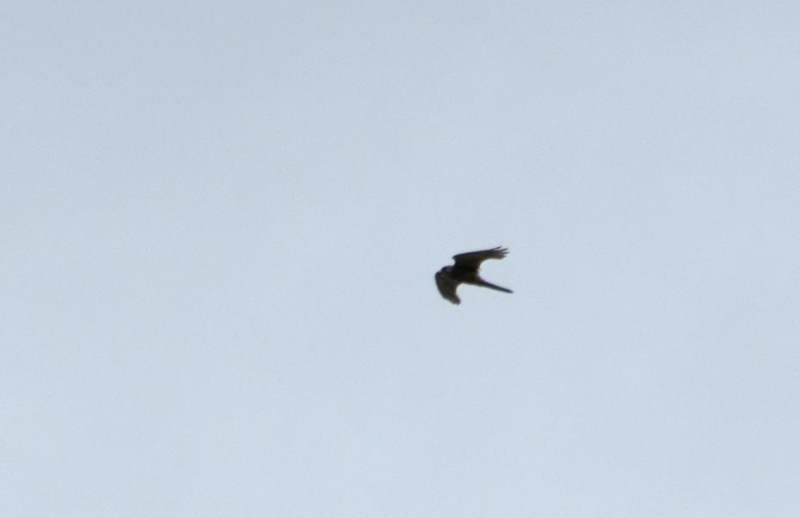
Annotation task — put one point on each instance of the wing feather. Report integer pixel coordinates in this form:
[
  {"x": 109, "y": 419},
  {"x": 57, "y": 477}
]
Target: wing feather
[
  {"x": 447, "y": 287},
  {"x": 473, "y": 260}
]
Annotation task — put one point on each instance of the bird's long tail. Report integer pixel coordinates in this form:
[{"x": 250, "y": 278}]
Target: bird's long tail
[{"x": 493, "y": 286}]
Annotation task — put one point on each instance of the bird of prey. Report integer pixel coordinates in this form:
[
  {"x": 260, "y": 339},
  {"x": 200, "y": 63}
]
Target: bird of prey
[{"x": 465, "y": 271}]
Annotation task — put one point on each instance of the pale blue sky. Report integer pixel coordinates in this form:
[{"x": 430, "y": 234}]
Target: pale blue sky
[{"x": 220, "y": 223}]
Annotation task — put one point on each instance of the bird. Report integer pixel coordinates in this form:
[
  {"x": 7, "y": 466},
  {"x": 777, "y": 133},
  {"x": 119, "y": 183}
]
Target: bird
[{"x": 466, "y": 271}]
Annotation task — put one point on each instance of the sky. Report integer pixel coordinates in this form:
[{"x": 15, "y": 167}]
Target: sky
[{"x": 219, "y": 225}]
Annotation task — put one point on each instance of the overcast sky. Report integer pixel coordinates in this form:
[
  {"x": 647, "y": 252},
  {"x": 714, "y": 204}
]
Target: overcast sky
[{"x": 219, "y": 225}]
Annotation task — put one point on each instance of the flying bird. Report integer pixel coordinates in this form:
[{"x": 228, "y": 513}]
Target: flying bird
[{"x": 465, "y": 271}]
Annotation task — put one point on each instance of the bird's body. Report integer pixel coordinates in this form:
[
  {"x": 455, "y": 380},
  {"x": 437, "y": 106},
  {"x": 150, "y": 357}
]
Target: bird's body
[{"x": 466, "y": 270}]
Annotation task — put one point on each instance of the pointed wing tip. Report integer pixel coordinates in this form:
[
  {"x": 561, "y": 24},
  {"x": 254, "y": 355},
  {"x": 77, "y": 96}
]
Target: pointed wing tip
[{"x": 455, "y": 301}]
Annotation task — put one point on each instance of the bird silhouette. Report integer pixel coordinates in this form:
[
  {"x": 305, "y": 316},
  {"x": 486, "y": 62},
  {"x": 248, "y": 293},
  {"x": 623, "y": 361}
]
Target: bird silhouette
[{"x": 466, "y": 271}]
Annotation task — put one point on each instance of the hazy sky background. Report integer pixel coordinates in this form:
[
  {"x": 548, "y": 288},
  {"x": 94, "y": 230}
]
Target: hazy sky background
[{"x": 220, "y": 223}]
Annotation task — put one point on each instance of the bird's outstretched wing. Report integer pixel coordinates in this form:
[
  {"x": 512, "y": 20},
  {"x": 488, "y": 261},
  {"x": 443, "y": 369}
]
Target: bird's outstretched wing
[
  {"x": 473, "y": 260},
  {"x": 447, "y": 287}
]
